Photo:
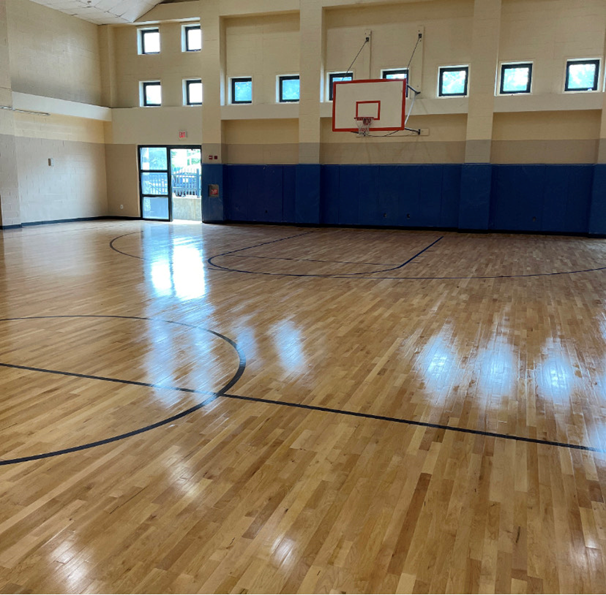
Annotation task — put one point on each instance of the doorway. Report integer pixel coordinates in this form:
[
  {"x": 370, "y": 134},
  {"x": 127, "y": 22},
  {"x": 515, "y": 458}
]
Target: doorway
[{"x": 170, "y": 183}]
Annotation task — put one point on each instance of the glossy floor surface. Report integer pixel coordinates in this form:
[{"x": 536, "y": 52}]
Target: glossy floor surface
[{"x": 272, "y": 409}]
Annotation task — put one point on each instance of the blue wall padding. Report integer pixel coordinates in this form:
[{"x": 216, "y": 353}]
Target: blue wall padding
[
  {"x": 289, "y": 194},
  {"x": 329, "y": 187},
  {"x": 539, "y": 198},
  {"x": 254, "y": 193},
  {"x": 517, "y": 197},
  {"x": 212, "y": 207},
  {"x": 474, "y": 208},
  {"x": 390, "y": 195},
  {"x": 451, "y": 196},
  {"x": 307, "y": 193},
  {"x": 597, "y": 213}
]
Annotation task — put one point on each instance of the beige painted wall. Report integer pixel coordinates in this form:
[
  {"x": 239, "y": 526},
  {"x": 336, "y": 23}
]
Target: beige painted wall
[
  {"x": 546, "y": 137},
  {"x": 261, "y": 141},
  {"x": 122, "y": 181},
  {"x": 549, "y": 32},
  {"x": 53, "y": 54},
  {"x": 156, "y": 126},
  {"x": 264, "y": 48},
  {"x": 171, "y": 66},
  {"x": 447, "y": 39},
  {"x": 57, "y": 56},
  {"x": 444, "y": 144}
]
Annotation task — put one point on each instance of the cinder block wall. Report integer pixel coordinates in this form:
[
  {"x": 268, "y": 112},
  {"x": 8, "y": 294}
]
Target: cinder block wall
[{"x": 52, "y": 55}]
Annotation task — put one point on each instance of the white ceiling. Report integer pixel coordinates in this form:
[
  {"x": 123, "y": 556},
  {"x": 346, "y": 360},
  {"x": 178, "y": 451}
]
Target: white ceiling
[{"x": 103, "y": 12}]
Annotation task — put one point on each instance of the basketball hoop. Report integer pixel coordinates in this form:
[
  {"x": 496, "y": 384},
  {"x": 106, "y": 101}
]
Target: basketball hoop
[{"x": 363, "y": 125}]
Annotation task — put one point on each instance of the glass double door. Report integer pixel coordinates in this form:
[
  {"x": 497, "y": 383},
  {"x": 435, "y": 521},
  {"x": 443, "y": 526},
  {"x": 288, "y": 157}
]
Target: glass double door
[{"x": 170, "y": 183}]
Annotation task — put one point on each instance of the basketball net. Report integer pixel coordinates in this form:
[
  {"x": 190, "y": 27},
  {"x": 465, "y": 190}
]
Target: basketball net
[{"x": 363, "y": 125}]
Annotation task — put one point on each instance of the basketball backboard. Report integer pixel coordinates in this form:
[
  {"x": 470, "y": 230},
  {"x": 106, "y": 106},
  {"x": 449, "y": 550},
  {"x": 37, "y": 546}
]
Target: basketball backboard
[{"x": 380, "y": 104}]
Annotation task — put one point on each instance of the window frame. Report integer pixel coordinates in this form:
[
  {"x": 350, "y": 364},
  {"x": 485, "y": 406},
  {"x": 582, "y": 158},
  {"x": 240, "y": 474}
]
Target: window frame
[
  {"x": 406, "y": 71},
  {"x": 288, "y": 77},
  {"x": 334, "y": 75},
  {"x": 442, "y": 70},
  {"x": 144, "y": 86},
  {"x": 142, "y": 33},
  {"x": 233, "y": 81},
  {"x": 187, "y": 96},
  {"x": 507, "y": 65},
  {"x": 385, "y": 71},
  {"x": 596, "y": 83},
  {"x": 186, "y": 29}
]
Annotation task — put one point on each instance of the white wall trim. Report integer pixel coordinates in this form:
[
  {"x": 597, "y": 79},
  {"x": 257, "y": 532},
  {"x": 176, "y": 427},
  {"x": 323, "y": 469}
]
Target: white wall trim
[{"x": 61, "y": 107}]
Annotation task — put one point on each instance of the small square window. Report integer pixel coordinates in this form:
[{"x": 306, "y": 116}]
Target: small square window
[
  {"x": 582, "y": 75},
  {"x": 289, "y": 88},
  {"x": 516, "y": 78},
  {"x": 193, "y": 92},
  {"x": 241, "y": 90},
  {"x": 192, "y": 38},
  {"x": 337, "y": 77},
  {"x": 453, "y": 81},
  {"x": 151, "y": 94},
  {"x": 149, "y": 41}
]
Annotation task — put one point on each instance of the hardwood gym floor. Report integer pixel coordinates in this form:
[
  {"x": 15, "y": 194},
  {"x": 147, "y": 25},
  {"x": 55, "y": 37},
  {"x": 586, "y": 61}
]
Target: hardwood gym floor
[{"x": 260, "y": 408}]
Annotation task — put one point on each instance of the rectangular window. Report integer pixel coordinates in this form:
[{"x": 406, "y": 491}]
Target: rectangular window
[
  {"x": 289, "y": 88},
  {"x": 337, "y": 77},
  {"x": 241, "y": 90},
  {"x": 582, "y": 75},
  {"x": 193, "y": 92},
  {"x": 453, "y": 81},
  {"x": 149, "y": 41},
  {"x": 396, "y": 74},
  {"x": 516, "y": 78},
  {"x": 192, "y": 38},
  {"x": 151, "y": 94}
]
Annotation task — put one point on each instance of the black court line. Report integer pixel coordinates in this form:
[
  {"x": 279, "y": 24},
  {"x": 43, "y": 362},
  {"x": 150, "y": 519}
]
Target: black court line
[
  {"x": 364, "y": 275},
  {"x": 113, "y": 246},
  {"x": 213, "y": 395},
  {"x": 377, "y": 264},
  {"x": 107, "y": 379},
  {"x": 412, "y": 422},
  {"x": 342, "y": 276},
  {"x": 223, "y": 393},
  {"x": 302, "y": 406},
  {"x": 372, "y": 275}
]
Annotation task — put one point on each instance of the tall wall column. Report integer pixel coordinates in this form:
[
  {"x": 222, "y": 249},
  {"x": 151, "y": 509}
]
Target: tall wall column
[
  {"x": 307, "y": 199},
  {"x": 476, "y": 177},
  {"x": 10, "y": 211},
  {"x": 212, "y": 70}
]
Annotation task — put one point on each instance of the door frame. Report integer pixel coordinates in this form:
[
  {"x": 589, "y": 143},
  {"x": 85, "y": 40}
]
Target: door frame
[{"x": 169, "y": 175}]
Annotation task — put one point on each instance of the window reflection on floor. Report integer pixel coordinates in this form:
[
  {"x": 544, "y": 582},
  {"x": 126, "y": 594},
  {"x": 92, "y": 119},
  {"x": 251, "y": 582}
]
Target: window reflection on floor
[{"x": 182, "y": 275}]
